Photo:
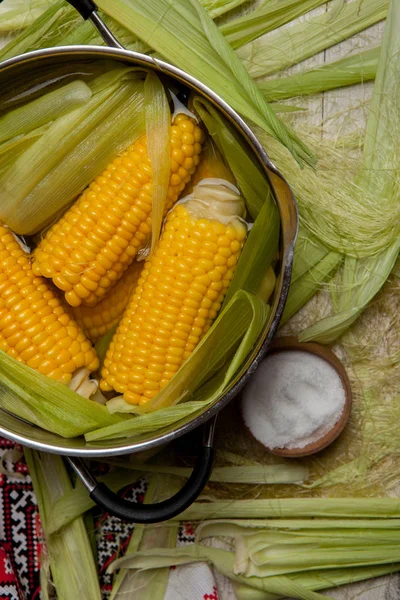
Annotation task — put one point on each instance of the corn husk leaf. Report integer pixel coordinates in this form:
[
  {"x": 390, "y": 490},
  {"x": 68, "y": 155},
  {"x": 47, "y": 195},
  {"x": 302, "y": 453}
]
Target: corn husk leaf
[
  {"x": 39, "y": 184},
  {"x": 267, "y": 285},
  {"x": 71, "y": 561},
  {"x": 48, "y": 107},
  {"x": 17, "y": 14},
  {"x": 243, "y": 527},
  {"x": 285, "y": 48},
  {"x": 276, "y": 561},
  {"x": 258, "y": 253},
  {"x": 267, "y": 17},
  {"x": 44, "y": 31},
  {"x": 185, "y": 35},
  {"x": 308, "y": 252},
  {"x": 356, "y": 285},
  {"x": 217, "y": 8},
  {"x": 10, "y": 150},
  {"x": 152, "y": 584},
  {"x": 370, "y": 508},
  {"x": 361, "y": 279},
  {"x": 61, "y": 25},
  {"x": 251, "y": 181},
  {"x": 296, "y": 585},
  {"x": 306, "y": 285},
  {"x": 318, "y": 580},
  {"x": 158, "y": 122},
  {"x": 47, "y": 403},
  {"x": 223, "y": 561},
  {"x": 353, "y": 69},
  {"x": 251, "y": 474},
  {"x": 77, "y": 501},
  {"x": 102, "y": 345}
]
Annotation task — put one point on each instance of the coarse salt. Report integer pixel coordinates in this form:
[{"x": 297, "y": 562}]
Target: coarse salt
[{"x": 294, "y": 399}]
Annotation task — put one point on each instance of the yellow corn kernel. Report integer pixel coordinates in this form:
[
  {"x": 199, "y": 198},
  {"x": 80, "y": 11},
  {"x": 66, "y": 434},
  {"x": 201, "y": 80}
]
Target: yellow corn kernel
[
  {"x": 97, "y": 239},
  {"x": 34, "y": 327},
  {"x": 186, "y": 311},
  {"x": 95, "y": 321}
]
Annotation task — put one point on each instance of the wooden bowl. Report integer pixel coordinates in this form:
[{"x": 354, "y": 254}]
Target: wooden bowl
[{"x": 286, "y": 343}]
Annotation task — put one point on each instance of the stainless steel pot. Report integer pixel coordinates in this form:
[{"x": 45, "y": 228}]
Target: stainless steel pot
[{"x": 27, "y": 66}]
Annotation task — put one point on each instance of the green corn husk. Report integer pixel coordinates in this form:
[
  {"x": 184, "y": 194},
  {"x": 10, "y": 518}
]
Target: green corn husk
[
  {"x": 102, "y": 345},
  {"x": 47, "y": 108},
  {"x": 285, "y": 48},
  {"x": 217, "y": 8},
  {"x": 260, "y": 474},
  {"x": 353, "y": 69},
  {"x": 309, "y": 251},
  {"x": 273, "y": 583},
  {"x": 152, "y": 584},
  {"x": 76, "y": 502},
  {"x": 185, "y": 35},
  {"x": 268, "y": 17},
  {"x": 45, "y": 31},
  {"x": 276, "y": 562},
  {"x": 17, "y": 14},
  {"x": 249, "y": 178},
  {"x": 61, "y": 25},
  {"x": 47, "y": 403},
  {"x": 267, "y": 285},
  {"x": 39, "y": 184},
  {"x": 222, "y": 560},
  {"x": 296, "y": 585},
  {"x": 361, "y": 279},
  {"x": 71, "y": 560},
  {"x": 355, "y": 286},
  {"x": 243, "y": 527},
  {"x": 306, "y": 286},
  {"x": 319, "y": 580},
  {"x": 371, "y": 508},
  {"x": 12, "y": 149},
  {"x": 245, "y": 592},
  {"x": 158, "y": 121}
]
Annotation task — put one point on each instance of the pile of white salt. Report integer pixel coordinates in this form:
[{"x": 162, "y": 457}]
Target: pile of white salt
[{"x": 294, "y": 399}]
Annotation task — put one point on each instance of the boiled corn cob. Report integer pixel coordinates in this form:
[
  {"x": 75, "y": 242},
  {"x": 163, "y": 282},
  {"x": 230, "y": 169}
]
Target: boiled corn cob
[
  {"x": 95, "y": 321},
  {"x": 96, "y": 240},
  {"x": 35, "y": 329},
  {"x": 179, "y": 293}
]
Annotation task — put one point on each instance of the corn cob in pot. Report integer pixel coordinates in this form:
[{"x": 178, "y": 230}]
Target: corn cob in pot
[
  {"x": 35, "y": 328},
  {"x": 95, "y": 321},
  {"x": 90, "y": 247},
  {"x": 179, "y": 293}
]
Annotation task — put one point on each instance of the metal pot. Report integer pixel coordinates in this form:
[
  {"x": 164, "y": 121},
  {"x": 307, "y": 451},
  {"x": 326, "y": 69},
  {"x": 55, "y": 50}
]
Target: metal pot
[{"x": 29, "y": 65}]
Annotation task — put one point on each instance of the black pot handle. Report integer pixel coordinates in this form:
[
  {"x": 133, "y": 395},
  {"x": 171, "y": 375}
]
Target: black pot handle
[
  {"x": 85, "y": 7},
  {"x": 161, "y": 511},
  {"x": 88, "y": 10}
]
